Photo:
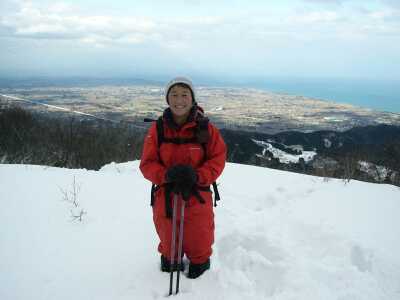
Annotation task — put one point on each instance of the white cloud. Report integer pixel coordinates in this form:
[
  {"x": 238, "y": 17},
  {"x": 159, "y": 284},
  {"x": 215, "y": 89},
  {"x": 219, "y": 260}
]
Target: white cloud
[
  {"x": 63, "y": 21},
  {"x": 60, "y": 21}
]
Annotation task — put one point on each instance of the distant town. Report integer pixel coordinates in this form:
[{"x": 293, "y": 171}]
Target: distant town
[{"x": 231, "y": 108}]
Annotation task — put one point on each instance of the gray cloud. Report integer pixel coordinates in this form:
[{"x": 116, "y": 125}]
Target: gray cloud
[
  {"x": 63, "y": 23},
  {"x": 180, "y": 34},
  {"x": 32, "y": 22}
]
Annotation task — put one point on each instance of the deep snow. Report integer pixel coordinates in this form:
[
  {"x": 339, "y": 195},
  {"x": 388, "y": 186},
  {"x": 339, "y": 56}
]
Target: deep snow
[{"x": 279, "y": 235}]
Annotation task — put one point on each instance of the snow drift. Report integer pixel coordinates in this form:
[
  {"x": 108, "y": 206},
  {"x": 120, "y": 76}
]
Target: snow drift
[{"x": 279, "y": 235}]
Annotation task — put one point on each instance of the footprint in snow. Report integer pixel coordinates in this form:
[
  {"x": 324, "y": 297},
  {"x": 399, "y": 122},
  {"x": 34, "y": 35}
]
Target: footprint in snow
[
  {"x": 251, "y": 263},
  {"x": 280, "y": 189},
  {"x": 361, "y": 259}
]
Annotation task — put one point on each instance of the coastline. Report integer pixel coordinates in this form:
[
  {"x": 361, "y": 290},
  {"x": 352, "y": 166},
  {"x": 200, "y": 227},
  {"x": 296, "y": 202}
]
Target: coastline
[{"x": 381, "y": 95}]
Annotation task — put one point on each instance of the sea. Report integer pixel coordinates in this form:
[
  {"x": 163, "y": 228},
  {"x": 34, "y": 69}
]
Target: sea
[{"x": 382, "y": 95}]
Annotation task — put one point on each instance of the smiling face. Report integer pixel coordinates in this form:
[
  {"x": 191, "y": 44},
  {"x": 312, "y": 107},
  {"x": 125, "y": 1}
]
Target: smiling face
[{"x": 180, "y": 101}]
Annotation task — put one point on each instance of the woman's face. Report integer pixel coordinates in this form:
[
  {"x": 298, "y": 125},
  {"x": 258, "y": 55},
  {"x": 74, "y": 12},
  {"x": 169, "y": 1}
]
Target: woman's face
[{"x": 180, "y": 101}]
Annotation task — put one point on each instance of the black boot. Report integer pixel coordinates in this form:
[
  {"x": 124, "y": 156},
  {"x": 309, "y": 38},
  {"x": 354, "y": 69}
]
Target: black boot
[
  {"x": 195, "y": 270},
  {"x": 165, "y": 265}
]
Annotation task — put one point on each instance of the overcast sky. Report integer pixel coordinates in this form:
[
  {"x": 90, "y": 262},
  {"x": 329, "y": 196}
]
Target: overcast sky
[{"x": 231, "y": 39}]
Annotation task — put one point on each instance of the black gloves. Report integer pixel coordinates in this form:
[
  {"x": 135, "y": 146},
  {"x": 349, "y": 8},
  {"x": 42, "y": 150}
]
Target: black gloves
[{"x": 182, "y": 178}]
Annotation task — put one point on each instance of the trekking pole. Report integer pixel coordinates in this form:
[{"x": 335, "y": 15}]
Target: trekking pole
[
  {"x": 180, "y": 245},
  {"x": 173, "y": 242}
]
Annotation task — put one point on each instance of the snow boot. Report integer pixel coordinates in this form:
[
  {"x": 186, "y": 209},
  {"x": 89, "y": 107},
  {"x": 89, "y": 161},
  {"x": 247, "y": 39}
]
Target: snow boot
[
  {"x": 195, "y": 270},
  {"x": 165, "y": 265}
]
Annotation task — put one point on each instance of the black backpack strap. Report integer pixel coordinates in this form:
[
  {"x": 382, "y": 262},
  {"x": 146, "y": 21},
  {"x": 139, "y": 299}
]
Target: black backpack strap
[
  {"x": 195, "y": 192},
  {"x": 203, "y": 137},
  {"x": 160, "y": 131},
  {"x": 200, "y": 136},
  {"x": 208, "y": 189},
  {"x": 153, "y": 187},
  {"x": 216, "y": 193}
]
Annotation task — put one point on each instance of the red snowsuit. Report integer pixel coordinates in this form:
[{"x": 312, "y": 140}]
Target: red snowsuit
[{"x": 199, "y": 217}]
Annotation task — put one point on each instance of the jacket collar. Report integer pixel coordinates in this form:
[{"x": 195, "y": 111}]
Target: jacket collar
[{"x": 195, "y": 113}]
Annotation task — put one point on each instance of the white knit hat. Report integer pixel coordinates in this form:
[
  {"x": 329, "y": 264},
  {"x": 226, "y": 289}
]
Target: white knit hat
[{"x": 177, "y": 80}]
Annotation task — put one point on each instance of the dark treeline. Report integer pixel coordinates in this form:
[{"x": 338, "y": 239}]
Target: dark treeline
[
  {"x": 77, "y": 142},
  {"x": 70, "y": 142},
  {"x": 338, "y": 153}
]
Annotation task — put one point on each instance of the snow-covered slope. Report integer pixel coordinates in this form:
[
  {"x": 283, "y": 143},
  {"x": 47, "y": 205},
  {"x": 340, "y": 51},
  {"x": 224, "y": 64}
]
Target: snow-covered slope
[{"x": 279, "y": 235}]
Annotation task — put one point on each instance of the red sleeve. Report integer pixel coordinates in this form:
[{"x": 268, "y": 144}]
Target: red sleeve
[
  {"x": 216, "y": 156},
  {"x": 150, "y": 165}
]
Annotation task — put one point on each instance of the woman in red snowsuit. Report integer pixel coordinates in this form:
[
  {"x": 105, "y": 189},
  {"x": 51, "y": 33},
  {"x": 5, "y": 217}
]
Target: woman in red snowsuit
[{"x": 188, "y": 169}]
